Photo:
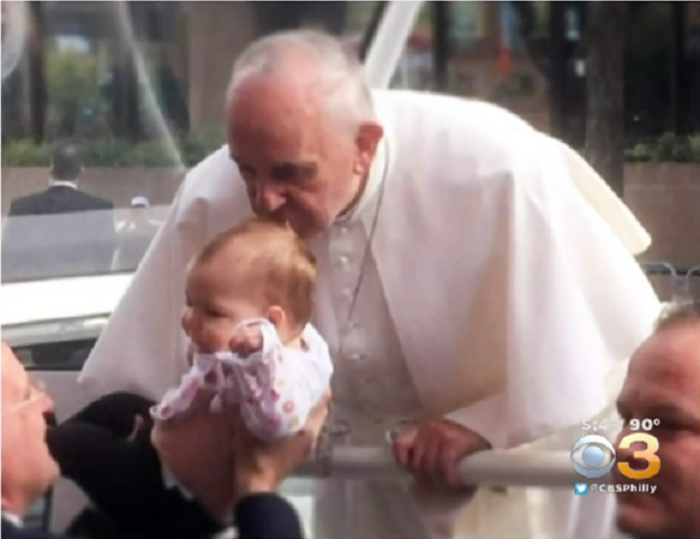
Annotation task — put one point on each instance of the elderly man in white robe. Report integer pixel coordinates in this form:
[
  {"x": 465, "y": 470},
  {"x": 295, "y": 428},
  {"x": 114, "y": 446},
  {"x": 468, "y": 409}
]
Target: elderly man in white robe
[{"x": 470, "y": 280}]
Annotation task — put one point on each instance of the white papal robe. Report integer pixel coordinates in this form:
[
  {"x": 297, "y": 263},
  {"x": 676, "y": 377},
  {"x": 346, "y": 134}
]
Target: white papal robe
[{"x": 498, "y": 289}]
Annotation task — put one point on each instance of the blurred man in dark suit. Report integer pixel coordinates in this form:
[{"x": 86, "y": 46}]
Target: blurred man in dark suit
[{"x": 61, "y": 231}]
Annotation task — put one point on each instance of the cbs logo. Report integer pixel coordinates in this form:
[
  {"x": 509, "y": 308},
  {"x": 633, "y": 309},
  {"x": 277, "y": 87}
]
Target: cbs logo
[{"x": 593, "y": 456}]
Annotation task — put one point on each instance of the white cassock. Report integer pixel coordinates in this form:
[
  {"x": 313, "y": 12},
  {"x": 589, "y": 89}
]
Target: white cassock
[{"x": 498, "y": 289}]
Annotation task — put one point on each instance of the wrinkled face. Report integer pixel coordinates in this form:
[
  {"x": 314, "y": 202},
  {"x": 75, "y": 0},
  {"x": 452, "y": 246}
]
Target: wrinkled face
[
  {"x": 297, "y": 165},
  {"x": 28, "y": 470},
  {"x": 663, "y": 383}
]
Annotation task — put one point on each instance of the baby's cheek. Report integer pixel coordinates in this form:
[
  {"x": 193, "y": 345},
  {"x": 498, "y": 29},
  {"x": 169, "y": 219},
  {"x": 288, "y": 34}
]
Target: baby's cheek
[{"x": 217, "y": 334}]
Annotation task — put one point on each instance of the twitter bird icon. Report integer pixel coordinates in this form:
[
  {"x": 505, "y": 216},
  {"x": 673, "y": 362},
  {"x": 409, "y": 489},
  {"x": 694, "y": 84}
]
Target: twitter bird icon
[{"x": 581, "y": 489}]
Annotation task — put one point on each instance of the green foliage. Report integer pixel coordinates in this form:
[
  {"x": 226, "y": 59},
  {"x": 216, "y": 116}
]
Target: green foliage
[
  {"x": 24, "y": 153},
  {"x": 73, "y": 91},
  {"x": 111, "y": 152},
  {"x": 668, "y": 148},
  {"x": 193, "y": 147}
]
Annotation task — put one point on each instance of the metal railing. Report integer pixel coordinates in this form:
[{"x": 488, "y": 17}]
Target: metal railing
[
  {"x": 549, "y": 469},
  {"x": 680, "y": 277}
]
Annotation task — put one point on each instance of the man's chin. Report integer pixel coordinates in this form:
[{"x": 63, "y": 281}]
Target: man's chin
[{"x": 52, "y": 473}]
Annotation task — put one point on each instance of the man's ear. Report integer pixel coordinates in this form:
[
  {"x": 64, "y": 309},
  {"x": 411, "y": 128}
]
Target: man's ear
[
  {"x": 277, "y": 316},
  {"x": 368, "y": 136}
]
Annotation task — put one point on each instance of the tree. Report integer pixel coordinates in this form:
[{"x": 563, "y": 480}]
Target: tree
[
  {"x": 605, "y": 107},
  {"x": 71, "y": 79}
]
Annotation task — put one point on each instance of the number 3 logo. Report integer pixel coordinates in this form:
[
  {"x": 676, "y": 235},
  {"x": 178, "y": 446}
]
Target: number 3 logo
[{"x": 648, "y": 454}]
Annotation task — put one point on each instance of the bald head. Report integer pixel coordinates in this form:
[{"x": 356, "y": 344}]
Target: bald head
[
  {"x": 663, "y": 387},
  {"x": 301, "y": 129},
  {"x": 13, "y": 376},
  {"x": 28, "y": 470},
  {"x": 311, "y": 64}
]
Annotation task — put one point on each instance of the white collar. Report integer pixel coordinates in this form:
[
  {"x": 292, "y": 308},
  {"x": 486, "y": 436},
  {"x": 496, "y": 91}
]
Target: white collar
[
  {"x": 62, "y": 183},
  {"x": 12, "y": 518},
  {"x": 377, "y": 175}
]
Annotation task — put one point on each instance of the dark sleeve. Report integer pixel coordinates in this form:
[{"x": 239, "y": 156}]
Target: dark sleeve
[
  {"x": 115, "y": 412},
  {"x": 93, "y": 524},
  {"x": 17, "y": 208},
  {"x": 91, "y": 449},
  {"x": 103, "y": 465},
  {"x": 11, "y": 532},
  {"x": 267, "y": 516}
]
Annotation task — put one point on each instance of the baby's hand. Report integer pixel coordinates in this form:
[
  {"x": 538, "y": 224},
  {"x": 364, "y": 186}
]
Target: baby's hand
[{"x": 246, "y": 340}]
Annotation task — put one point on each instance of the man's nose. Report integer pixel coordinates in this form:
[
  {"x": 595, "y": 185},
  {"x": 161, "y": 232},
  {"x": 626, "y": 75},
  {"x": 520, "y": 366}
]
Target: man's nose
[
  {"x": 268, "y": 199},
  {"x": 47, "y": 406}
]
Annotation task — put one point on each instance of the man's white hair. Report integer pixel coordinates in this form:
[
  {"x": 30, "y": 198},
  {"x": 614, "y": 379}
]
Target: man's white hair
[{"x": 340, "y": 73}]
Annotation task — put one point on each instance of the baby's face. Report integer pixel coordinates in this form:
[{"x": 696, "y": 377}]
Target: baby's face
[{"x": 217, "y": 301}]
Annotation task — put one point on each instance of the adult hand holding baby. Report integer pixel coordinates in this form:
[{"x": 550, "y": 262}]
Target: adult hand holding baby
[{"x": 261, "y": 466}]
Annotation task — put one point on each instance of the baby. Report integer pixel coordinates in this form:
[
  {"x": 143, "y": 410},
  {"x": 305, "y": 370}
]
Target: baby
[
  {"x": 249, "y": 297},
  {"x": 249, "y": 300}
]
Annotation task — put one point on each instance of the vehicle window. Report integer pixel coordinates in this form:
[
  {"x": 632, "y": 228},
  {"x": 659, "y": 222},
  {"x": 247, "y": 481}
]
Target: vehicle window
[
  {"x": 55, "y": 356},
  {"x": 619, "y": 81},
  {"x": 105, "y": 107}
]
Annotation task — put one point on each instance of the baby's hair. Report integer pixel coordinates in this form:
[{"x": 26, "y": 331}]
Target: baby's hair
[{"x": 274, "y": 255}]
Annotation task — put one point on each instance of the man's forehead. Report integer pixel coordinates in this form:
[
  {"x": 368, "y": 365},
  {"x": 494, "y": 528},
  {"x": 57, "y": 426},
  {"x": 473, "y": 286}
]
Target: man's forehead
[
  {"x": 664, "y": 373},
  {"x": 14, "y": 377}
]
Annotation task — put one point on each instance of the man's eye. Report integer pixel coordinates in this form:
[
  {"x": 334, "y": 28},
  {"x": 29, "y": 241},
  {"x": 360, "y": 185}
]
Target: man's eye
[
  {"x": 290, "y": 172},
  {"x": 285, "y": 173},
  {"x": 246, "y": 172}
]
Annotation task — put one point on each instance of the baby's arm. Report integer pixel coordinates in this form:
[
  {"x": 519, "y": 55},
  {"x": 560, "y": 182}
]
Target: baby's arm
[{"x": 268, "y": 407}]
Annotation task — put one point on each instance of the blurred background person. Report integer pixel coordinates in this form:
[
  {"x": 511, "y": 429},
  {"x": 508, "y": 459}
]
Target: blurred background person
[
  {"x": 61, "y": 231},
  {"x": 663, "y": 383},
  {"x": 134, "y": 235}
]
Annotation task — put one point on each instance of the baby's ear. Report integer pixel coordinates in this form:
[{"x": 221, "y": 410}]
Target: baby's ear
[{"x": 277, "y": 316}]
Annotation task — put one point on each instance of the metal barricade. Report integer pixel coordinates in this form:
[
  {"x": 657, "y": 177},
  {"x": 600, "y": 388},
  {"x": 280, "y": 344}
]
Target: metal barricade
[
  {"x": 681, "y": 284},
  {"x": 692, "y": 272},
  {"x": 677, "y": 290}
]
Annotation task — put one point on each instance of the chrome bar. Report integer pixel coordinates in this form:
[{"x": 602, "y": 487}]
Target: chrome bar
[
  {"x": 390, "y": 42},
  {"x": 58, "y": 331},
  {"x": 490, "y": 468}
]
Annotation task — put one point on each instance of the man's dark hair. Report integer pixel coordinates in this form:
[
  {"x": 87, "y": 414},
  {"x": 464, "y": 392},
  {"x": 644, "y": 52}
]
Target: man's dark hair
[{"x": 66, "y": 164}]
